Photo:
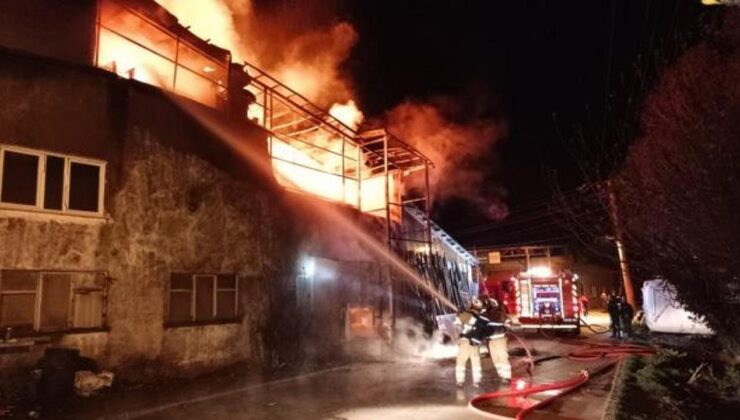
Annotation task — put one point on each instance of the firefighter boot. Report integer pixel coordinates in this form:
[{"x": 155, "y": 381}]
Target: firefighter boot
[
  {"x": 504, "y": 371},
  {"x": 500, "y": 357}
]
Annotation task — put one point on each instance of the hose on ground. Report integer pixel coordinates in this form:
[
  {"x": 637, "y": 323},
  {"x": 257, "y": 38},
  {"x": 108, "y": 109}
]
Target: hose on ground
[
  {"x": 530, "y": 359},
  {"x": 590, "y": 351},
  {"x": 591, "y": 327},
  {"x": 596, "y": 351}
]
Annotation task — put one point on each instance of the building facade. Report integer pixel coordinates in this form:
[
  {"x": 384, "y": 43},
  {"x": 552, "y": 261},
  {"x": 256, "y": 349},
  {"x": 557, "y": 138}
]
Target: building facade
[{"x": 140, "y": 218}]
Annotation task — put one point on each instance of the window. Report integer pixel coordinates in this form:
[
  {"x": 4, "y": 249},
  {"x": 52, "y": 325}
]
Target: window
[
  {"x": 203, "y": 298},
  {"x": 41, "y": 301},
  {"x": 36, "y": 180}
]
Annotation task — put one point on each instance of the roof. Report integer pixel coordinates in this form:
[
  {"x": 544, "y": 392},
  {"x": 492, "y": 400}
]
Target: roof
[
  {"x": 401, "y": 155},
  {"x": 308, "y": 117}
]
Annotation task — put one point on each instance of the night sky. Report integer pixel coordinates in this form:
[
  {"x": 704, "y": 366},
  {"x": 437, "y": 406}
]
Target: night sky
[{"x": 529, "y": 60}]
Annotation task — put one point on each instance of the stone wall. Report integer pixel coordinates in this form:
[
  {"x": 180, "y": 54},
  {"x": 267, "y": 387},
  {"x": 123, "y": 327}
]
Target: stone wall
[
  {"x": 177, "y": 200},
  {"x": 176, "y": 213}
]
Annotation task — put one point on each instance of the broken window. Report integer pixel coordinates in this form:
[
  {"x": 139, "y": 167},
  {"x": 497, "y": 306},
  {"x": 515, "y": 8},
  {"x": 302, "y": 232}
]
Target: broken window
[
  {"x": 39, "y": 180},
  {"x": 203, "y": 298},
  {"x": 51, "y": 301}
]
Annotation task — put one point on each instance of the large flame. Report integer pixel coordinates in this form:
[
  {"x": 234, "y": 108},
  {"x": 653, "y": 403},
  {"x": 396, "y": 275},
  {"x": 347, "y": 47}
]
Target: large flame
[
  {"x": 212, "y": 20},
  {"x": 320, "y": 163}
]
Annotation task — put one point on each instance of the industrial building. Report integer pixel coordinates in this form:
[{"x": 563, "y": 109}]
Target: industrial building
[{"x": 130, "y": 229}]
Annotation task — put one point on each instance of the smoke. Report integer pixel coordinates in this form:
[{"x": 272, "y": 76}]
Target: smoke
[
  {"x": 303, "y": 44},
  {"x": 412, "y": 344},
  {"x": 310, "y": 64},
  {"x": 460, "y": 147}
]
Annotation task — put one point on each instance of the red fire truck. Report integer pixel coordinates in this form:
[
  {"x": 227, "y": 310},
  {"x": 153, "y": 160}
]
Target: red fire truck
[{"x": 539, "y": 298}]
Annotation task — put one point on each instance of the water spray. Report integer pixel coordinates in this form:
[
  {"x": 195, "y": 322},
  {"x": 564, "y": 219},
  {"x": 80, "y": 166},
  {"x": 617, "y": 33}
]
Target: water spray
[{"x": 234, "y": 140}]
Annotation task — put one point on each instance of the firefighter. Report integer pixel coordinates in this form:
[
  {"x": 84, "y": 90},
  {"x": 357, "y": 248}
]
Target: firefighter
[
  {"x": 612, "y": 306},
  {"x": 469, "y": 343},
  {"x": 625, "y": 317},
  {"x": 583, "y": 301},
  {"x": 495, "y": 319}
]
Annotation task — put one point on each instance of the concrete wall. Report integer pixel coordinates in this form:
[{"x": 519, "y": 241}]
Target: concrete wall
[
  {"x": 177, "y": 200},
  {"x": 63, "y": 29}
]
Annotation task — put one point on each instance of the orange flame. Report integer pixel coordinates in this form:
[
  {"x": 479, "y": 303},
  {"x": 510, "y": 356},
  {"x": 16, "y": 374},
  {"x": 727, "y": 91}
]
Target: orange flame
[
  {"x": 307, "y": 62},
  {"x": 348, "y": 113}
]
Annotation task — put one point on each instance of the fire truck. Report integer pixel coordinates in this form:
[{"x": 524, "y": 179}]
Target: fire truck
[{"x": 540, "y": 299}]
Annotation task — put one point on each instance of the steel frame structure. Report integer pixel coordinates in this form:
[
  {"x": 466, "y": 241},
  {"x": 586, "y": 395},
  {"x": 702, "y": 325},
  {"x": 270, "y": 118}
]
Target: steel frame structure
[
  {"x": 289, "y": 116},
  {"x": 178, "y": 34}
]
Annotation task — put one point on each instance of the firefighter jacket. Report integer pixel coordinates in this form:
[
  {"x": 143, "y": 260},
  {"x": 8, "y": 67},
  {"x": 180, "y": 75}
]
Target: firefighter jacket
[
  {"x": 493, "y": 323},
  {"x": 470, "y": 322}
]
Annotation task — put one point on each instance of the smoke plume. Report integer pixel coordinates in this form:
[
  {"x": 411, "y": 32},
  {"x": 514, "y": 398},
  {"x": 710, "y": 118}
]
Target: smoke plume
[{"x": 460, "y": 147}]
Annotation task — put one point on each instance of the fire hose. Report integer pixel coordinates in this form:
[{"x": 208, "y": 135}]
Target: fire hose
[
  {"x": 591, "y": 327},
  {"x": 588, "y": 352}
]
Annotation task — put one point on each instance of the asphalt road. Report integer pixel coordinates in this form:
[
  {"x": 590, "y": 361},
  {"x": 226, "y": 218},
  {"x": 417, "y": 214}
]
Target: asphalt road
[{"x": 397, "y": 389}]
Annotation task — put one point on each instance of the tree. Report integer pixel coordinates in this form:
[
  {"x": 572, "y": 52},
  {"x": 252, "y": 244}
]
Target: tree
[
  {"x": 677, "y": 188},
  {"x": 678, "y": 191}
]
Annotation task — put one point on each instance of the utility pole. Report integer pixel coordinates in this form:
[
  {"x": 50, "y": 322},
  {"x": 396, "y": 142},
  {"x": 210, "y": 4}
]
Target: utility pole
[{"x": 629, "y": 291}]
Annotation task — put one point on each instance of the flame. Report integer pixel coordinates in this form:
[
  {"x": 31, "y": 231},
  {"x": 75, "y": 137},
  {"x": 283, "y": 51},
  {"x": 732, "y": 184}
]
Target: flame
[
  {"x": 319, "y": 163},
  {"x": 294, "y": 169},
  {"x": 348, "y": 113},
  {"x": 129, "y": 60},
  {"x": 212, "y": 20}
]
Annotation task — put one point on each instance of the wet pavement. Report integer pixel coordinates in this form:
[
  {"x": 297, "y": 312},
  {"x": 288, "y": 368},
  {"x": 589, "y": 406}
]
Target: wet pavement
[{"x": 378, "y": 390}]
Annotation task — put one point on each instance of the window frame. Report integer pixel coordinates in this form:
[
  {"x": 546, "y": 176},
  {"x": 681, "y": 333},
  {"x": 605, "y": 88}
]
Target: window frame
[
  {"x": 38, "y": 294},
  {"x": 66, "y": 182},
  {"x": 213, "y": 320}
]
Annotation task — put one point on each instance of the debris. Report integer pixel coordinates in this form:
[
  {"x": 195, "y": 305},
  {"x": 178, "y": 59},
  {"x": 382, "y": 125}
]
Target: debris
[
  {"x": 88, "y": 383},
  {"x": 695, "y": 375}
]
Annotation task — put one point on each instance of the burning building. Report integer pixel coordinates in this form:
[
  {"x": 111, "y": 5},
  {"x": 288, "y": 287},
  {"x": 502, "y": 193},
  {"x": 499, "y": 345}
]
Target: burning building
[{"x": 134, "y": 232}]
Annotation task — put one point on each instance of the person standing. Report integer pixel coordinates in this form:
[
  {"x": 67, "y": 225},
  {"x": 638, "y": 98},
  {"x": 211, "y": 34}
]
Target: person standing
[
  {"x": 626, "y": 312},
  {"x": 469, "y": 343},
  {"x": 495, "y": 318},
  {"x": 613, "y": 307},
  {"x": 583, "y": 301}
]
